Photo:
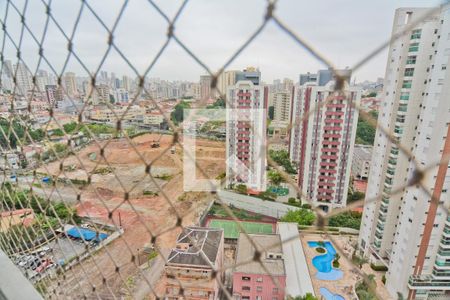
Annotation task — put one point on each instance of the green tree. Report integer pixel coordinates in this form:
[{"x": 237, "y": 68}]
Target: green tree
[
  {"x": 347, "y": 219},
  {"x": 70, "y": 127},
  {"x": 241, "y": 188},
  {"x": 281, "y": 157},
  {"x": 308, "y": 296},
  {"x": 275, "y": 177},
  {"x": 57, "y": 132},
  {"x": 177, "y": 115},
  {"x": 300, "y": 216},
  {"x": 365, "y": 132}
]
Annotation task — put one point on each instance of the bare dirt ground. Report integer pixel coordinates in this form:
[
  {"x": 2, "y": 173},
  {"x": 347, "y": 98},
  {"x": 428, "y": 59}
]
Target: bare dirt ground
[{"x": 112, "y": 272}]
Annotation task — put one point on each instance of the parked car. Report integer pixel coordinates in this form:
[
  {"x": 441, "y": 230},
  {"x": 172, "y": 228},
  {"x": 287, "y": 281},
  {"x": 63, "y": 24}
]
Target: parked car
[{"x": 45, "y": 264}]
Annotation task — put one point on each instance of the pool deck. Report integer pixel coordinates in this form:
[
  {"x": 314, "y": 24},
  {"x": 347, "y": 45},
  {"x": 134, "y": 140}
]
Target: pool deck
[{"x": 343, "y": 286}]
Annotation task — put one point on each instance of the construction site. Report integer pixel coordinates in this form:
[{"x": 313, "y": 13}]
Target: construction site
[{"x": 136, "y": 185}]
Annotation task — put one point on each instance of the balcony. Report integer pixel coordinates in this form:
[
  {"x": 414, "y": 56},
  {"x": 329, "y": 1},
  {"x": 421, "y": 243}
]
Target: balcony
[{"x": 424, "y": 282}]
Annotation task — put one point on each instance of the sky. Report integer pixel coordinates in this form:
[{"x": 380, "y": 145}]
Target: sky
[{"x": 344, "y": 31}]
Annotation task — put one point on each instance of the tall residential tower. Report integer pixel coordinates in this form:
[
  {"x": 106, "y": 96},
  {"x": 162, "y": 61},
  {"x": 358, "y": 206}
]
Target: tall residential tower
[
  {"x": 322, "y": 144},
  {"x": 246, "y": 131},
  {"x": 408, "y": 231}
]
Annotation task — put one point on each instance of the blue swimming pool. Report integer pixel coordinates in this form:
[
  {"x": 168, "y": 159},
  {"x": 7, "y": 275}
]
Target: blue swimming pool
[
  {"x": 323, "y": 263},
  {"x": 329, "y": 295}
]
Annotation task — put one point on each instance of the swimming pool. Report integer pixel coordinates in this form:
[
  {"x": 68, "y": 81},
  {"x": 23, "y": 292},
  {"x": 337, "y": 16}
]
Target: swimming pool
[
  {"x": 323, "y": 263},
  {"x": 329, "y": 295}
]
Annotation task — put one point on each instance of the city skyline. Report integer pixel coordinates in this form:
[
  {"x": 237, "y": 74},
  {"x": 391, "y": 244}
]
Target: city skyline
[{"x": 269, "y": 51}]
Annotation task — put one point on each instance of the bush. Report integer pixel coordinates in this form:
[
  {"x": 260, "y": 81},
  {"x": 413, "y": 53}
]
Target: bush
[
  {"x": 320, "y": 249},
  {"x": 336, "y": 264},
  {"x": 306, "y": 206},
  {"x": 346, "y": 219},
  {"x": 300, "y": 216},
  {"x": 381, "y": 268},
  {"x": 282, "y": 158}
]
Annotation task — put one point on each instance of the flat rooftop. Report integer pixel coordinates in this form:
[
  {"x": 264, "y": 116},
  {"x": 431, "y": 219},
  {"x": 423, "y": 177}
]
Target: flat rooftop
[
  {"x": 196, "y": 246},
  {"x": 298, "y": 281},
  {"x": 267, "y": 244},
  {"x": 363, "y": 151}
]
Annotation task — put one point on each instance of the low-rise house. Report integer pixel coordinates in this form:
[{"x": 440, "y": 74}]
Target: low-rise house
[
  {"x": 259, "y": 280},
  {"x": 189, "y": 270}
]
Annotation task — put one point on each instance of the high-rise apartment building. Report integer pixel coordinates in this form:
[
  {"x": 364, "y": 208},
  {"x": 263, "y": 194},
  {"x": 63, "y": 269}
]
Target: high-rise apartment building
[
  {"x": 205, "y": 87},
  {"x": 23, "y": 79},
  {"x": 282, "y": 106},
  {"x": 322, "y": 77},
  {"x": 246, "y": 132},
  {"x": 409, "y": 231},
  {"x": 225, "y": 80},
  {"x": 322, "y": 144},
  {"x": 70, "y": 84}
]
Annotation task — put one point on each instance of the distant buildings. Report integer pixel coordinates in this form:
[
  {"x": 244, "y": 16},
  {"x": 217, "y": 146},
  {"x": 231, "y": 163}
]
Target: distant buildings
[
  {"x": 246, "y": 132},
  {"x": 264, "y": 279},
  {"x": 70, "y": 85},
  {"x": 409, "y": 231},
  {"x": 362, "y": 158},
  {"x": 205, "y": 87},
  {"x": 321, "y": 78},
  {"x": 282, "y": 106},
  {"x": 198, "y": 252},
  {"x": 322, "y": 144}
]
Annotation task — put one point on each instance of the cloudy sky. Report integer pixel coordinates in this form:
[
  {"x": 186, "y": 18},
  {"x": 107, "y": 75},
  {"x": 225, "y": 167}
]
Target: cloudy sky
[{"x": 344, "y": 31}]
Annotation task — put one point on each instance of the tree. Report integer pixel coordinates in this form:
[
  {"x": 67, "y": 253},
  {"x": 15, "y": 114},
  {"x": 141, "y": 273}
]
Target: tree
[
  {"x": 300, "y": 216},
  {"x": 70, "y": 127},
  {"x": 241, "y": 189},
  {"x": 360, "y": 261},
  {"x": 308, "y": 296},
  {"x": 57, "y": 132},
  {"x": 281, "y": 157},
  {"x": 177, "y": 115},
  {"x": 275, "y": 177},
  {"x": 365, "y": 132},
  {"x": 349, "y": 219}
]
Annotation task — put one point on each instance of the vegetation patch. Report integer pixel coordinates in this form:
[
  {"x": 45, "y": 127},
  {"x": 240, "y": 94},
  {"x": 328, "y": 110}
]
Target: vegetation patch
[
  {"x": 300, "y": 216},
  {"x": 320, "y": 250},
  {"x": 380, "y": 268},
  {"x": 218, "y": 211},
  {"x": 349, "y": 219}
]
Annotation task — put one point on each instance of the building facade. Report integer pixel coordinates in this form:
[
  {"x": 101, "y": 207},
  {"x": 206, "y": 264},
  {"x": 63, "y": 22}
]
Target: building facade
[
  {"x": 251, "y": 281},
  {"x": 361, "y": 160},
  {"x": 246, "y": 135},
  {"x": 409, "y": 231},
  {"x": 282, "y": 106},
  {"x": 322, "y": 144}
]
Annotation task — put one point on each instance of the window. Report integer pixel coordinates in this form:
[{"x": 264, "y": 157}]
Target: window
[
  {"x": 413, "y": 47},
  {"x": 275, "y": 291},
  {"x": 404, "y": 96},
  {"x": 245, "y": 278},
  {"x": 246, "y": 288},
  {"x": 259, "y": 288},
  {"x": 258, "y": 297},
  {"x": 409, "y": 71},
  {"x": 411, "y": 60},
  {"x": 403, "y": 107},
  {"x": 407, "y": 84},
  {"x": 259, "y": 279},
  {"x": 415, "y": 34}
]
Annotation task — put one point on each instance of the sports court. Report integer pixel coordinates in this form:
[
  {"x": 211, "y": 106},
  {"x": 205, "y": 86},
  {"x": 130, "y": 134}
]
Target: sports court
[{"x": 231, "y": 229}]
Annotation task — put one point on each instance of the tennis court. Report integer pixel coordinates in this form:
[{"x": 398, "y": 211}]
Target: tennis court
[{"x": 231, "y": 229}]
